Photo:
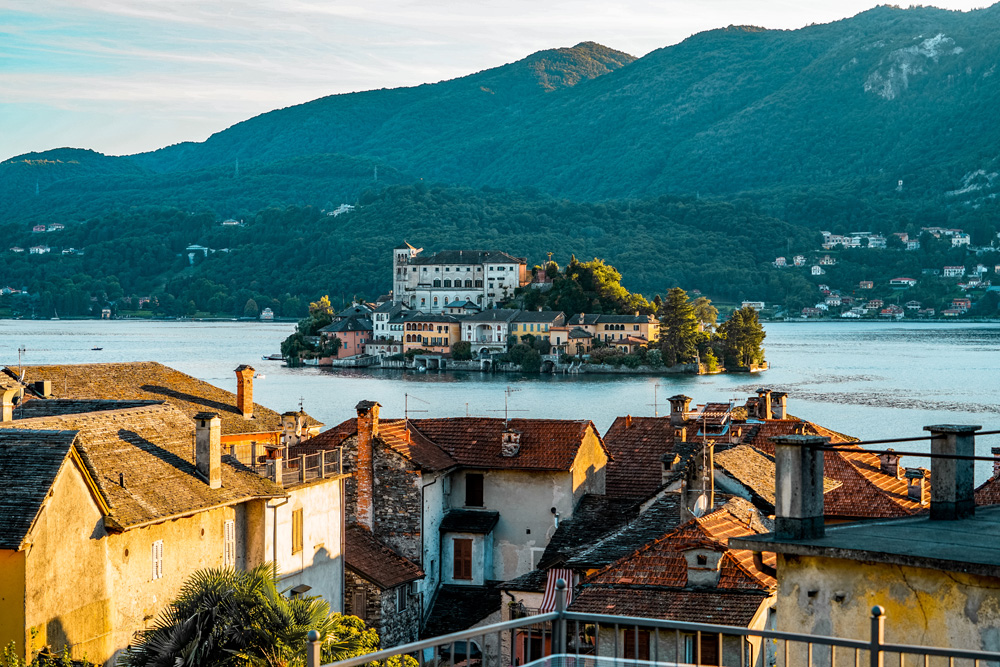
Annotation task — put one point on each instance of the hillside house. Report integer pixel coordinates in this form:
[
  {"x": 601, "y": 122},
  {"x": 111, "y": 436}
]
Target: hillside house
[
  {"x": 902, "y": 282},
  {"x": 892, "y": 312},
  {"x": 39, "y": 249},
  {"x": 756, "y": 305},
  {"x": 913, "y": 305},
  {"x": 875, "y": 304},
  {"x": 799, "y": 260},
  {"x": 487, "y": 331},
  {"x": 354, "y": 333},
  {"x": 536, "y": 323},
  {"x": 866, "y": 284},
  {"x": 55, "y": 227},
  {"x": 826, "y": 260},
  {"x": 433, "y": 332},
  {"x": 961, "y": 304},
  {"x": 780, "y": 262},
  {"x": 38, "y": 229},
  {"x": 817, "y": 270},
  {"x": 953, "y": 271}
]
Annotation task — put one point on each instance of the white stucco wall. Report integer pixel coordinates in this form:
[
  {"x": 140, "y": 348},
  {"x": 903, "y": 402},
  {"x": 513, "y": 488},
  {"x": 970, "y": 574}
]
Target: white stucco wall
[{"x": 435, "y": 490}]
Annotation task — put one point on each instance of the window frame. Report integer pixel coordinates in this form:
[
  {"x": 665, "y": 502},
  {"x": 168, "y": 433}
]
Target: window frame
[
  {"x": 476, "y": 490},
  {"x": 297, "y": 525},
  {"x": 157, "y": 559},
  {"x": 462, "y": 562},
  {"x": 229, "y": 543}
]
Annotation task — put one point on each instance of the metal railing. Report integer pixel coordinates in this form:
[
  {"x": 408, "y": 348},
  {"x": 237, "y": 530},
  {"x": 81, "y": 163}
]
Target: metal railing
[
  {"x": 570, "y": 639},
  {"x": 305, "y": 468}
]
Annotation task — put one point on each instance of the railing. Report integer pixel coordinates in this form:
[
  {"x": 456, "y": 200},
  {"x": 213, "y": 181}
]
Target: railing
[
  {"x": 305, "y": 468},
  {"x": 572, "y": 639}
]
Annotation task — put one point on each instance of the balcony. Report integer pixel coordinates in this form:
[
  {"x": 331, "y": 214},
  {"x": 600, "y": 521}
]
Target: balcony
[
  {"x": 287, "y": 471},
  {"x": 570, "y": 639}
]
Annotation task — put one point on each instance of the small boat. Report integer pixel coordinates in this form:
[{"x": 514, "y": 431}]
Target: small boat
[
  {"x": 97, "y": 349},
  {"x": 259, "y": 376},
  {"x": 273, "y": 357}
]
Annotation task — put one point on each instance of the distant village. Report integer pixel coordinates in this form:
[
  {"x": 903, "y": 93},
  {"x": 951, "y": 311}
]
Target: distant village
[
  {"x": 442, "y": 314},
  {"x": 868, "y": 299},
  {"x": 123, "y": 480}
]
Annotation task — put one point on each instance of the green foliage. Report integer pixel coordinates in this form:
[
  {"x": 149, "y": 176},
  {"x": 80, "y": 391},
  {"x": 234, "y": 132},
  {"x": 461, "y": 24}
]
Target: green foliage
[
  {"x": 236, "y": 618},
  {"x": 461, "y": 350},
  {"x": 710, "y": 360},
  {"x": 593, "y": 287},
  {"x": 251, "y": 309},
  {"x": 678, "y": 327},
  {"x": 742, "y": 335},
  {"x": 531, "y": 362}
]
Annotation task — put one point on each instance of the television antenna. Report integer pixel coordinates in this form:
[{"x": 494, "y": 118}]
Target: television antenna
[
  {"x": 407, "y": 410},
  {"x": 506, "y": 405},
  {"x": 655, "y": 404}
]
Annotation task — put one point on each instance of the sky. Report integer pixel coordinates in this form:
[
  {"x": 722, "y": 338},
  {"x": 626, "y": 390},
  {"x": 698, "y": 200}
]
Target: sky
[{"x": 126, "y": 76}]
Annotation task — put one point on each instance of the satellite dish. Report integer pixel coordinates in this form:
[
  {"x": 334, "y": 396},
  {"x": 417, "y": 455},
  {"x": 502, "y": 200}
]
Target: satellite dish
[{"x": 700, "y": 505}]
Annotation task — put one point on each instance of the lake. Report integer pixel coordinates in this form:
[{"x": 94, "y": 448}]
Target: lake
[{"x": 867, "y": 379}]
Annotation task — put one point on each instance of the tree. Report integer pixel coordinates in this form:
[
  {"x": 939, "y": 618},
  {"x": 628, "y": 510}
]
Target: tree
[
  {"x": 227, "y": 617},
  {"x": 742, "y": 335},
  {"x": 678, "y": 328},
  {"x": 461, "y": 350},
  {"x": 706, "y": 314},
  {"x": 251, "y": 309}
]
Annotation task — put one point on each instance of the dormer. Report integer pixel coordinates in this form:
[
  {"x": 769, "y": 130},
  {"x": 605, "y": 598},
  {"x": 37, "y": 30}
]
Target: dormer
[
  {"x": 704, "y": 563},
  {"x": 510, "y": 444}
]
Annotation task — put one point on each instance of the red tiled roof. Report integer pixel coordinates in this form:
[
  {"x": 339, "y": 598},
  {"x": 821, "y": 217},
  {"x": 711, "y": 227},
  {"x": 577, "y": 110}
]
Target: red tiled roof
[
  {"x": 372, "y": 559},
  {"x": 989, "y": 492},
  {"x": 635, "y": 469},
  {"x": 327, "y": 440},
  {"x": 661, "y": 563},
  {"x": 728, "y": 607},
  {"x": 414, "y": 445},
  {"x": 546, "y": 444}
]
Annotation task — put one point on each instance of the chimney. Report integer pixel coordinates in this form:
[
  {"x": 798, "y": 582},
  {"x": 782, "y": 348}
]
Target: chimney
[
  {"x": 43, "y": 388},
  {"x": 208, "y": 447},
  {"x": 703, "y": 565},
  {"x": 364, "y": 473},
  {"x": 996, "y": 463},
  {"x": 779, "y": 404},
  {"x": 889, "y": 463},
  {"x": 679, "y": 405},
  {"x": 916, "y": 485},
  {"x": 7, "y": 403},
  {"x": 681, "y": 434},
  {"x": 291, "y": 428},
  {"x": 798, "y": 493},
  {"x": 244, "y": 391},
  {"x": 669, "y": 463},
  {"x": 953, "y": 480},
  {"x": 628, "y": 421},
  {"x": 511, "y": 442},
  {"x": 764, "y": 410}
]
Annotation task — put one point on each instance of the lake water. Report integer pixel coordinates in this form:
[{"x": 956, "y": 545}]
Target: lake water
[{"x": 870, "y": 380}]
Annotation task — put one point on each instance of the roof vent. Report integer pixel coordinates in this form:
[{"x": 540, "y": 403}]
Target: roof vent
[
  {"x": 916, "y": 485},
  {"x": 511, "y": 442},
  {"x": 889, "y": 463},
  {"x": 704, "y": 564}
]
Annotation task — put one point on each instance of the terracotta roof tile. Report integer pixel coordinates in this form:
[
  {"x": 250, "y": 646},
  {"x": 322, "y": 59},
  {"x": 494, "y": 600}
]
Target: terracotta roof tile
[
  {"x": 375, "y": 561},
  {"x": 729, "y": 607},
  {"x": 153, "y": 381},
  {"x": 988, "y": 492},
  {"x": 153, "y": 448},
  {"x": 29, "y": 463},
  {"x": 636, "y": 449}
]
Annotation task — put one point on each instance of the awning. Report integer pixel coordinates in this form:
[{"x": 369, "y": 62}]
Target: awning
[{"x": 549, "y": 600}]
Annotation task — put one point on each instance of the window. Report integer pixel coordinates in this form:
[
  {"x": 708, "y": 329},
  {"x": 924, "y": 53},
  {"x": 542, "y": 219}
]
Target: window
[
  {"x": 709, "y": 649},
  {"x": 296, "y": 531},
  {"x": 158, "y": 559},
  {"x": 401, "y": 597},
  {"x": 637, "y": 645},
  {"x": 447, "y": 282},
  {"x": 473, "y": 490},
  {"x": 463, "y": 559},
  {"x": 359, "y": 604},
  {"x": 229, "y": 543}
]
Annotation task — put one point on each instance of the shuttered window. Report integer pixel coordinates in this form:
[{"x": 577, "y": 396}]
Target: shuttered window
[
  {"x": 636, "y": 645},
  {"x": 463, "y": 558},
  {"x": 358, "y": 604},
  {"x": 229, "y": 543},
  {"x": 157, "y": 559},
  {"x": 296, "y": 531}
]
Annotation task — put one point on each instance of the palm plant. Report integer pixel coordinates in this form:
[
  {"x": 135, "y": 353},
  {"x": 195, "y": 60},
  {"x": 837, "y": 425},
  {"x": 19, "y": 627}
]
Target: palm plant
[{"x": 226, "y": 617}]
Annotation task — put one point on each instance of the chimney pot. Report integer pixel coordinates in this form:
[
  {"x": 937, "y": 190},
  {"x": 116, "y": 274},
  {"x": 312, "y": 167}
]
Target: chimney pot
[
  {"x": 679, "y": 406},
  {"x": 628, "y": 421},
  {"x": 953, "y": 480},
  {"x": 889, "y": 463},
  {"x": 798, "y": 504},
  {"x": 510, "y": 443},
  {"x": 779, "y": 404},
  {"x": 916, "y": 485},
  {"x": 244, "y": 390},
  {"x": 208, "y": 447}
]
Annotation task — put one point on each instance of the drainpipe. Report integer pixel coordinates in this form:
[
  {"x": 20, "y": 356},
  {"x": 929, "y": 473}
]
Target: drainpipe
[{"x": 423, "y": 561}]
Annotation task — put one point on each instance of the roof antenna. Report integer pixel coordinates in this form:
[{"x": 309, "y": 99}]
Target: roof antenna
[
  {"x": 506, "y": 407},
  {"x": 407, "y": 411},
  {"x": 656, "y": 407},
  {"x": 301, "y": 402}
]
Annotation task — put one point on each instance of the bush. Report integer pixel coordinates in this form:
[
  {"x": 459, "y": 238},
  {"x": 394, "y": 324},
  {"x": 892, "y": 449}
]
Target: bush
[
  {"x": 631, "y": 361},
  {"x": 461, "y": 351},
  {"x": 654, "y": 358},
  {"x": 532, "y": 362}
]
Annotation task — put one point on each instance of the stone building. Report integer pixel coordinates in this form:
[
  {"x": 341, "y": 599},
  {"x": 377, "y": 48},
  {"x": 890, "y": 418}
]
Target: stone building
[
  {"x": 436, "y": 493},
  {"x": 430, "y": 283}
]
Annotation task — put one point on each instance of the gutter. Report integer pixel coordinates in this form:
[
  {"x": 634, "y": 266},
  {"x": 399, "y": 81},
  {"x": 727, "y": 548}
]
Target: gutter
[{"x": 111, "y": 524}]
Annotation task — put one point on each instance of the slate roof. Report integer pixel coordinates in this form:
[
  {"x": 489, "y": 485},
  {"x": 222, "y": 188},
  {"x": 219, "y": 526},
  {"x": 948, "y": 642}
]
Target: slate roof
[
  {"x": 390, "y": 308},
  {"x": 469, "y": 521},
  {"x": 468, "y": 257},
  {"x": 577, "y": 332},
  {"x": 152, "y": 447},
  {"x": 532, "y": 582},
  {"x": 152, "y": 381},
  {"x": 29, "y": 463},
  {"x": 492, "y": 315},
  {"x": 460, "y": 607},
  {"x": 593, "y": 518},
  {"x": 755, "y": 471},
  {"x": 348, "y": 324},
  {"x": 371, "y": 558},
  {"x": 578, "y": 319},
  {"x": 70, "y": 406},
  {"x": 435, "y": 317},
  {"x": 545, "y": 316}
]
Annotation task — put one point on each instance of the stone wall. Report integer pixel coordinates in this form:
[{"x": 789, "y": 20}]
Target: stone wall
[{"x": 394, "y": 627}]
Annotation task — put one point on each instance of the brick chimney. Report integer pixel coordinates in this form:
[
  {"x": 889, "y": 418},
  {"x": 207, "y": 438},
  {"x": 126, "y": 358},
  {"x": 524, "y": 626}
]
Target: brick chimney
[
  {"x": 510, "y": 443},
  {"x": 764, "y": 410},
  {"x": 779, "y": 404},
  {"x": 244, "y": 390},
  {"x": 996, "y": 464},
  {"x": 208, "y": 447},
  {"x": 889, "y": 463},
  {"x": 679, "y": 405},
  {"x": 628, "y": 422},
  {"x": 364, "y": 474},
  {"x": 798, "y": 493},
  {"x": 916, "y": 485},
  {"x": 952, "y": 480}
]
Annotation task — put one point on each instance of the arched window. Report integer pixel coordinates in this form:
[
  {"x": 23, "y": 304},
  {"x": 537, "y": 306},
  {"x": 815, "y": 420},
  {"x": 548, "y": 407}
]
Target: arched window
[
  {"x": 468, "y": 283},
  {"x": 435, "y": 301},
  {"x": 447, "y": 283},
  {"x": 479, "y": 283}
]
